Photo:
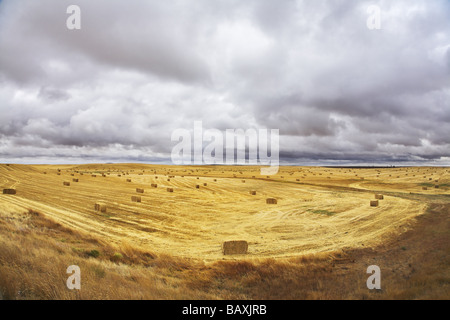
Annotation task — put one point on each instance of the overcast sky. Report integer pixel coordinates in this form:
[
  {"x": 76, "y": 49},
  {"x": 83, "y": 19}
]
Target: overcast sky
[{"x": 115, "y": 90}]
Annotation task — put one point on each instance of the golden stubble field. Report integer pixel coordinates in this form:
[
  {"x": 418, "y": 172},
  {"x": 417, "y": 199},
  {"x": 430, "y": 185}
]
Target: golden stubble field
[{"x": 318, "y": 209}]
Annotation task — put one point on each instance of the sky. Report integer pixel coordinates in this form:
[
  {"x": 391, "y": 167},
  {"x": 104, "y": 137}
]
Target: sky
[{"x": 115, "y": 90}]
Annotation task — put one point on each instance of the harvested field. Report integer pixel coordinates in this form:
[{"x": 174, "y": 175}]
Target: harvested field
[{"x": 315, "y": 215}]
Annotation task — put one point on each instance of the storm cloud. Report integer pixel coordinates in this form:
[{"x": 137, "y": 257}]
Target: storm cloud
[{"x": 116, "y": 89}]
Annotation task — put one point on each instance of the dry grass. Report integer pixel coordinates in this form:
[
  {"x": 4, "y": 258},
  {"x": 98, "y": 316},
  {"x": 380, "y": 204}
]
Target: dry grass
[
  {"x": 411, "y": 249},
  {"x": 36, "y": 251}
]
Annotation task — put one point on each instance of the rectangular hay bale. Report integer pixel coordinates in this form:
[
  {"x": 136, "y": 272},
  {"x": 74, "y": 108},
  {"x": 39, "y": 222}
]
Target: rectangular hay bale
[
  {"x": 235, "y": 247},
  {"x": 374, "y": 203},
  {"x": 100, "y": 207},
  {"x": 271, "y": 201},
  {"x": 9, "y": 191},
  {"x": 135, "y": 199}
]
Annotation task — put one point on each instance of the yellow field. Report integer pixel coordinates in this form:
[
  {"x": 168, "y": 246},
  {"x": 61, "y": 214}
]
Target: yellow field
[{"x": 319, "y": 209}]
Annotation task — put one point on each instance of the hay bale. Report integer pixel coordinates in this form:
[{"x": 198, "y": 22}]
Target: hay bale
[
  {"x": 9, "y": 191},
  {"x": 135, "y": 199},
  {"x": 94, "y": 175},
  {"x": 128, "y": 180},
  {"x": 100, "y": 207},
  {"x": 253, "y": 193},
  {"x": 424, "y": 188},
  {"x": 436, "y": 186},
  {"x": 235, "y": 247},
  {"x": 75, "y": 180},
  {"x": 197, "y": 186},
  {"x": 271, "y": 201},
  {"x": 138, "y": 190},
  {"x": 374, "y": 203},
  {"x": 65, "y": 183},
  {"x": 243, "y": 181},
  {"x": 205, "y": 184},
  {"x": 169, "y": 189},
  {"x": 297, "y": 179},
  {"x": 154, "y": 185},
  {"x": 379, "y": 197}
]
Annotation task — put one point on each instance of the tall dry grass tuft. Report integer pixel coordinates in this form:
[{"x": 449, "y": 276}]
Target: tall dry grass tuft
[{"x": 36, "y": 252}]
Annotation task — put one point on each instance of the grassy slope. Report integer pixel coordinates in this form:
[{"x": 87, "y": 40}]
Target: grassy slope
[{"x": 35, "y": 252}]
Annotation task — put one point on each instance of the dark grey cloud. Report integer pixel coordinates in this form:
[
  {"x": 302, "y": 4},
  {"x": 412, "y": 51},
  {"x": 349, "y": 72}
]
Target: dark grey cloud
[
  {"x": 137, "y": 70},
  {"x": 448, "y": 60},
  {"x": 51, "y": 94}
]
